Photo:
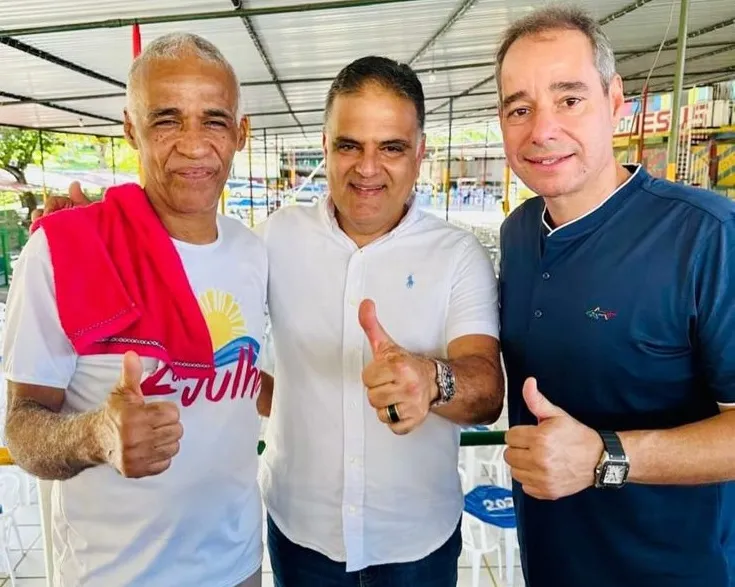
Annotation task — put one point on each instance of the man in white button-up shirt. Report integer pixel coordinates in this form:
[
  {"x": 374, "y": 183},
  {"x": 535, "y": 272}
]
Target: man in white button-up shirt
[{"x": 385, "y": 339}]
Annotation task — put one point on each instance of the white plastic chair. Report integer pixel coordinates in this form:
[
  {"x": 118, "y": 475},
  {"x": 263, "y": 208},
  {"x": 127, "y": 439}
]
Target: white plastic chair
[
  {"x": 479, "y": 540},
  {"x": 9, "y": 500}
]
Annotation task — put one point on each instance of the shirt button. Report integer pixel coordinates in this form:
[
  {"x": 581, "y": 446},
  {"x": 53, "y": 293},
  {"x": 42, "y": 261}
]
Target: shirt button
[
  {"x": 545, "y": 275},
  {"x": 538, "y": 313},
  {"x": 352, "y": 509}
]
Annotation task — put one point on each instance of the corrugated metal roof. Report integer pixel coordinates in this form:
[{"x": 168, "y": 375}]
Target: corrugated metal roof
[
  {"x": 110, "y": 51},
  {"x": 25, "y": 13},
  {"x": 321, "y": 43},
  {"x": 314, "y": 46},
  {"x": 37, "y": 116}
]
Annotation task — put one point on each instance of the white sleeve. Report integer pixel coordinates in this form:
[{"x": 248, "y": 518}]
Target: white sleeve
[
  {"x": 35, "y": 347},
  {"x": 473, "y": 302}
]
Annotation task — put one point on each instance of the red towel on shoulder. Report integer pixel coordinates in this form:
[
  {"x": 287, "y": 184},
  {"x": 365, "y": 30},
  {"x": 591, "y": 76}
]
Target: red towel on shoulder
[{"x": 120, "y": 284}]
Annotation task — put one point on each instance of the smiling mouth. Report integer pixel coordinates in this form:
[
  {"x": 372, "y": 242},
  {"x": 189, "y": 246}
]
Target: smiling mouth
[
  {"x": 548, "y": 161},
  {"x": 367, "y": 190},
  {"x": 196, "y": 173}
]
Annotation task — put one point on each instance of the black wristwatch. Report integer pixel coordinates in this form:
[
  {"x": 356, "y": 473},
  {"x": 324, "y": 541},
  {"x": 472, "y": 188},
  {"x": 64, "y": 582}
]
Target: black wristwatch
[
  {"x": 446, "y": 383},
  {"x": 612, "y": 469}
]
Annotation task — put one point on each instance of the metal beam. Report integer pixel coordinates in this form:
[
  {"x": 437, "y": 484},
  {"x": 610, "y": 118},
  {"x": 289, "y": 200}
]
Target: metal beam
[
  {"x": 706, "y": 55},
  {"x": 460, "y": 11},
  {"x": 29, "y": 50},
  {"x": 270, "y": 82},
  {"x": 466, "y": 92},
  {"x": 263, "y": 52},
  {"x": 645, "y": 50},
  {"x": 623, "y": 11},
  {"x": 315, "y": 125},
  {"x": 722, "y": 70},
  {"x": 74, "y": 111},
  {"x": 196, "y": 16},
  {"x": 56, "y": 130},
  {"x": 672, "y": 42}
]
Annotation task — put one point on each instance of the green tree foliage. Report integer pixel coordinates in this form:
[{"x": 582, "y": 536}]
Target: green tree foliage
[{"x": 18, "y": 149}]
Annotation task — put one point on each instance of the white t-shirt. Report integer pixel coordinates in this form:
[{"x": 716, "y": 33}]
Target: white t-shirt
[
  {"x": 199, "y": 522},
  {"x": 336, "y": 479}
]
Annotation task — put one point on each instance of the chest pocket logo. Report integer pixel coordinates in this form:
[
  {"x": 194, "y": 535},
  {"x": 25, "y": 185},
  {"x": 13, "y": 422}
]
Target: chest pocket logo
[
  {"x": 600, "y": 314},
  {"x": 409, "y": 281}
]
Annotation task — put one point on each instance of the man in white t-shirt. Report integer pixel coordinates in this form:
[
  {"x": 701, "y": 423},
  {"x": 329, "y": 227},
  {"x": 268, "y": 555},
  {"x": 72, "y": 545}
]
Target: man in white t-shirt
[
  {"x": 385, "y": 339},
  {"x": 134, "y": 502}
]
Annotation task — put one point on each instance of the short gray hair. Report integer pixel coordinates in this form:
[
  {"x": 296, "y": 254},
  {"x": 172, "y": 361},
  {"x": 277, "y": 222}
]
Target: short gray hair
[
  {"x": 560, "y": 17},
  {"x": 175, "y": 46}
]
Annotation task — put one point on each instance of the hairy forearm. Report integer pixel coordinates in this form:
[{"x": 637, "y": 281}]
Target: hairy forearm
[
  {"x": 50, "y": 445},
  {"x": 480, "y": 386},
  {"x": 688, "y": 455}
]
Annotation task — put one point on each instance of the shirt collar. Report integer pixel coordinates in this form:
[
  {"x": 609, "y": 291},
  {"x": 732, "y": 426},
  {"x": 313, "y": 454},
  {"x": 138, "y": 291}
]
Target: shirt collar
[{"x": 593, "y": 218}]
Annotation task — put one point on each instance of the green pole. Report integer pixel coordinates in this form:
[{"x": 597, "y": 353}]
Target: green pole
[
  {"x": 22, "y": 236},
  {"x": 678, "y": 87},
  {"x": 6, "y": 253}
]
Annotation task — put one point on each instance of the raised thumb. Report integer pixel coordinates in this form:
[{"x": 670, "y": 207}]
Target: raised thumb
[
  {"x": 374, "y": 331},
  {"x": 537, "y": 403},
  {"x": 132, "y": 374},
  {"x": 76, "y": 195}
]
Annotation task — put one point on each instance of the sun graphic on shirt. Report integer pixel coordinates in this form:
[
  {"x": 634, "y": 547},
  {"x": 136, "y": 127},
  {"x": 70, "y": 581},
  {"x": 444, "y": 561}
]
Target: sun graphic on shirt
[{"x": 223, "y": 317}]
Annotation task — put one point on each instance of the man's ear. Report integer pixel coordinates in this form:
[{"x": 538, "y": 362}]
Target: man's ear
[
  {"x": 243, "y": 133},
  {"x": 129, "y": 130},
  {"x": 617, "y": 99}
]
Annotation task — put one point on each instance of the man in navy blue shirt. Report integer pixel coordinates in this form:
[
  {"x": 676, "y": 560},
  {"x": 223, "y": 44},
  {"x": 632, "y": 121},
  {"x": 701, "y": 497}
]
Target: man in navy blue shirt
[{"x": 618, "y": 334}]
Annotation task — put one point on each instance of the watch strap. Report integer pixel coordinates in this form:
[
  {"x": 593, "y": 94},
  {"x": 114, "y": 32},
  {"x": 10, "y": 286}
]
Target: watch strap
[{"x": 613, "y": 446}]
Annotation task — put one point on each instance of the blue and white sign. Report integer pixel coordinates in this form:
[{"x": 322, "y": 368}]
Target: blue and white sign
[{"x": 492, "y": 505}]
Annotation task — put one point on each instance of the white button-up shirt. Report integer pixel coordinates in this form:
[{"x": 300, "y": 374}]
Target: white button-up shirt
[{"x": 335, "y": 479}]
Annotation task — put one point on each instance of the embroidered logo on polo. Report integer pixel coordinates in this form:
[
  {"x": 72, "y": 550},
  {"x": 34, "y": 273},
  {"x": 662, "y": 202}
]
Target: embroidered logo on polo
[
  {"x": 599, "y": 314},
  {"x": 409, "y": 281}
]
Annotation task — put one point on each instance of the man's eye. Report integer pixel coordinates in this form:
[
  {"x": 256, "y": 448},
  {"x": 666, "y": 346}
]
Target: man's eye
[{"x": 518, "y": 112}]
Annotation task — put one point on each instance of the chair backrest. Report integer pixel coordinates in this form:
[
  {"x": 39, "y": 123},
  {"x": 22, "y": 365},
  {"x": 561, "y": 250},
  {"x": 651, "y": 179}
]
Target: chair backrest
[
  {"x": 491, "y": 504},
  {"x": 9, "y": 491}
]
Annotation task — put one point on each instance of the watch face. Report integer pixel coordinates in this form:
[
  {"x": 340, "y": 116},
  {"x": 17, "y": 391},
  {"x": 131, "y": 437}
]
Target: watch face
[{"x": 614, "y": 474}]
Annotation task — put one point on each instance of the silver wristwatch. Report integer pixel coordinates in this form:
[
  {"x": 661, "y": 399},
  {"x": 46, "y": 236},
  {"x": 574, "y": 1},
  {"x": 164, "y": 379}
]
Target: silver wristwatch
[{"x": 446, "y": 383}]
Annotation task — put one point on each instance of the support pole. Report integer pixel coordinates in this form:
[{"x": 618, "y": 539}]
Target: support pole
[
  {"x": 448, "y": 178},
  {"x": 265, "y": 163},
  {"x": 279, "y": 152},
  {"x": 506, "y": 189},
  {"x": 484, "y": 164},
  {"x": 678, "y": 87},
  {"x": 250, "y": 176},
  {"x": 136, "y": 40},
  {"x": 642, "y": 137},
  {"x": 114, "y": 165},
  {"x": 43, "y": 165}
]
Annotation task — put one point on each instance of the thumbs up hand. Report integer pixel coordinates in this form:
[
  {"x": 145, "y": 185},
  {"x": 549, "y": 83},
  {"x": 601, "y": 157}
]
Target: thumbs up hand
[
  {"x": 557, "y": 457},
  {"x": 139, "y": 439},
  {"x": 400, "y": 385}
]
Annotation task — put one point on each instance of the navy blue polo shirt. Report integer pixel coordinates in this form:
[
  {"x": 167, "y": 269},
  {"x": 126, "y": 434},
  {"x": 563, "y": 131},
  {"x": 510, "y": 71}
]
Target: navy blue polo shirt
[{"x": 626, "y": 317}]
